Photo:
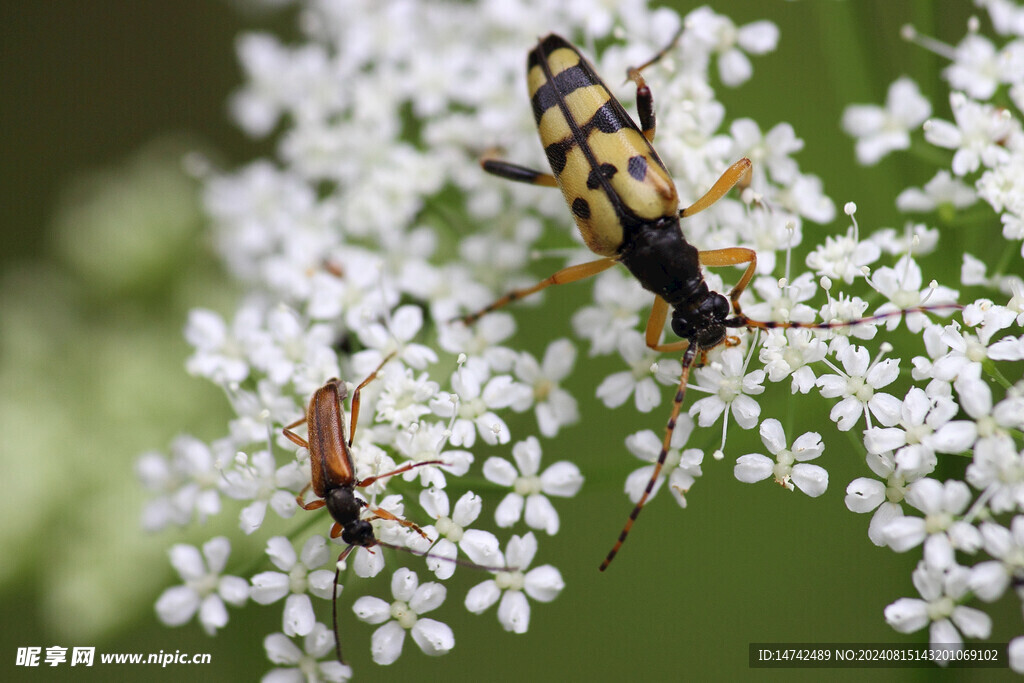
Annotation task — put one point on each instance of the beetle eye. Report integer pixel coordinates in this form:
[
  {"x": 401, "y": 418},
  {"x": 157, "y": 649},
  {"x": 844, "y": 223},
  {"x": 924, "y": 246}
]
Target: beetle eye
[{"x": 721, "y": 307}]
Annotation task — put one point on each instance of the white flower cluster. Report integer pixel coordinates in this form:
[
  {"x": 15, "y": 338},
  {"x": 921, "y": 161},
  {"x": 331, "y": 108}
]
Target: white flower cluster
[
  {"x": 373, "y": 227},
  {"x": 968, "y": 527}
]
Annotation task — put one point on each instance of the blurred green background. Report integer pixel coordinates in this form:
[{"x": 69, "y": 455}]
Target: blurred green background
[{"x": 104, "y": 252}]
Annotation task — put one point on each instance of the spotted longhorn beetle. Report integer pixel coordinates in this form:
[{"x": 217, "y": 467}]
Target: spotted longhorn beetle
[{"x": 627, "y": 210}]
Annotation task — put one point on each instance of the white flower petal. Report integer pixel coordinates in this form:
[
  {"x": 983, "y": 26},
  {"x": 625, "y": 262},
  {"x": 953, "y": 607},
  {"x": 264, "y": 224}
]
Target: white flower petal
[
  {"x": 321, "y": 583},
  {"x": 481, "y": 596},
  {"x": 250, "y": 519},
  {"x": 187, "y": 560},
  {"x": 562, "y": 479},
  {"x": 433, "y": 637},
  {"x": 808, "y": 446},
  {"x": 233, "y": 589},
  {"x": 884, "y": 373},
  {"x": 520, "y": 550},
  {"x": 753, "y": 468},
  {"x": 864, "y": 495},
  {"x": 989, "y": 580},
  {"x": 772, "y": 435},
  {"x": 372, "y": 610},
  {"x": 514, "y": 612},
  {"x": 886, "y": 408},
  {"x": 1016, "y": 654},
  {"x": 314, "y": 551},
  {"x": 509, "y": 510},
  {"x": 541, "y": 514},
  {"x": 500, "y": 471},
  {"x": 708, "y": 410},
  {"x": 403, "y": 584},
  {"x": 846, "y": 413},
  {"x": 439, "y": 560},
  {"x": 926, "y": 495},
  {"x": 492, "y": 429},
  {"x": 811, "y": 479},
  {"x": 904, "y": 533},
  {"x": 907, "y": 615},
  {"x": 954, "y": 437},
  {"x": 938, "y": 551},
  {"x": 428, "y": 597},
  {"x": 467, "y": 508},
  {"x": 281, "y": 650},
  {"x": 434, "y": 502},
  {"x": 177, "y": 605},
  {"x": 647, "y": 396},
  {"x": 406, "y": 321},
  {"x": 482, "y": 547},
  {"x": 268, "y": 587},
  {"x": 885, "y": 513},
  {"x": 366, "y": 563},
  {"x": 758, "y": 37},
  {"x": 543, "y": 583},
  {"x": 386, "y": 643},
  {"x": 746, "y": 411},
  {"x": 734, "y": 68},
  {"x": 616, "y": 388},
  {"x": 942, "y": 634},
  {"x": 281, "y": 552},
  {"x": 882, "y": 440},
  {"x": 216, "y": 552},
  {"x": 212, "y": 614},
  {"x": 299, "y": 618},
  {"x": 559, "y": 359}
]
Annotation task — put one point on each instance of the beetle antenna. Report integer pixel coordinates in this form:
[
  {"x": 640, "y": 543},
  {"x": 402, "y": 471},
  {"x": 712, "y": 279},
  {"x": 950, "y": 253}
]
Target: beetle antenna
[
  {"x": 677, "y": 403},
  {"x": 334, "y": 601},
  {"x": 741, "y": 320},
  {"x": 454, "y": 560}
]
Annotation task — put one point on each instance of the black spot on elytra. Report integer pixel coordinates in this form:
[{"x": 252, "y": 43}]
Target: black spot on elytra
[
  {"x": 542, "y": 100},
  {"x": 637, "y": 167},
  {"x": 605, "y": 171},
  {"x": 581, "y": 208},
  {"x": 606, "y": 119},
  {"x": 565, "y": 83},
  {"x": 557, "y": 153},
  {"x": 572, "y": 79}
]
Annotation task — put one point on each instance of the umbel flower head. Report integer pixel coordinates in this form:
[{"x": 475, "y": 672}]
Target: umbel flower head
[{"x": 371, "y": 227}]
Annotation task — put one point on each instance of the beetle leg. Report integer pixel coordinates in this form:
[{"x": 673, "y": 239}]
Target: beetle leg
[
  {"x": 355, "y": 396},
  {"x": 520, "y": 174},
  {"x": 403, "y": 468},
  {"x": 655, "y": 325},
  {"x": 293, "y": 437},
  {"x": 738, "y": 173},
  {"x": 379, "y": 513},
  {"x": 732, "y": 256},
  {"x": 644, "y": 99},
  {"x": 564, "y": 276},
  {"x": 644, "y": 104},
  {"x": 311, "y": 505}
]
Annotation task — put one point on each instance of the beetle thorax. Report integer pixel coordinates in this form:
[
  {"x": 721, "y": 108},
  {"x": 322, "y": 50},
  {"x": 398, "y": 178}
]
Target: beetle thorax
[{"x": 343, "y": 505}]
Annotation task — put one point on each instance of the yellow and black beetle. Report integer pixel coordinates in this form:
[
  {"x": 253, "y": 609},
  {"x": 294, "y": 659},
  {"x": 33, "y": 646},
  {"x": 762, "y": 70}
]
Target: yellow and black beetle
[{"x": 626, "y": 207}]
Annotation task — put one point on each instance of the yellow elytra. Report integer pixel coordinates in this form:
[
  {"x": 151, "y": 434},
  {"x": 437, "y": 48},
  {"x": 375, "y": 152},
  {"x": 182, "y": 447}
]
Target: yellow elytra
[{"x": 606, "y": 168}]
